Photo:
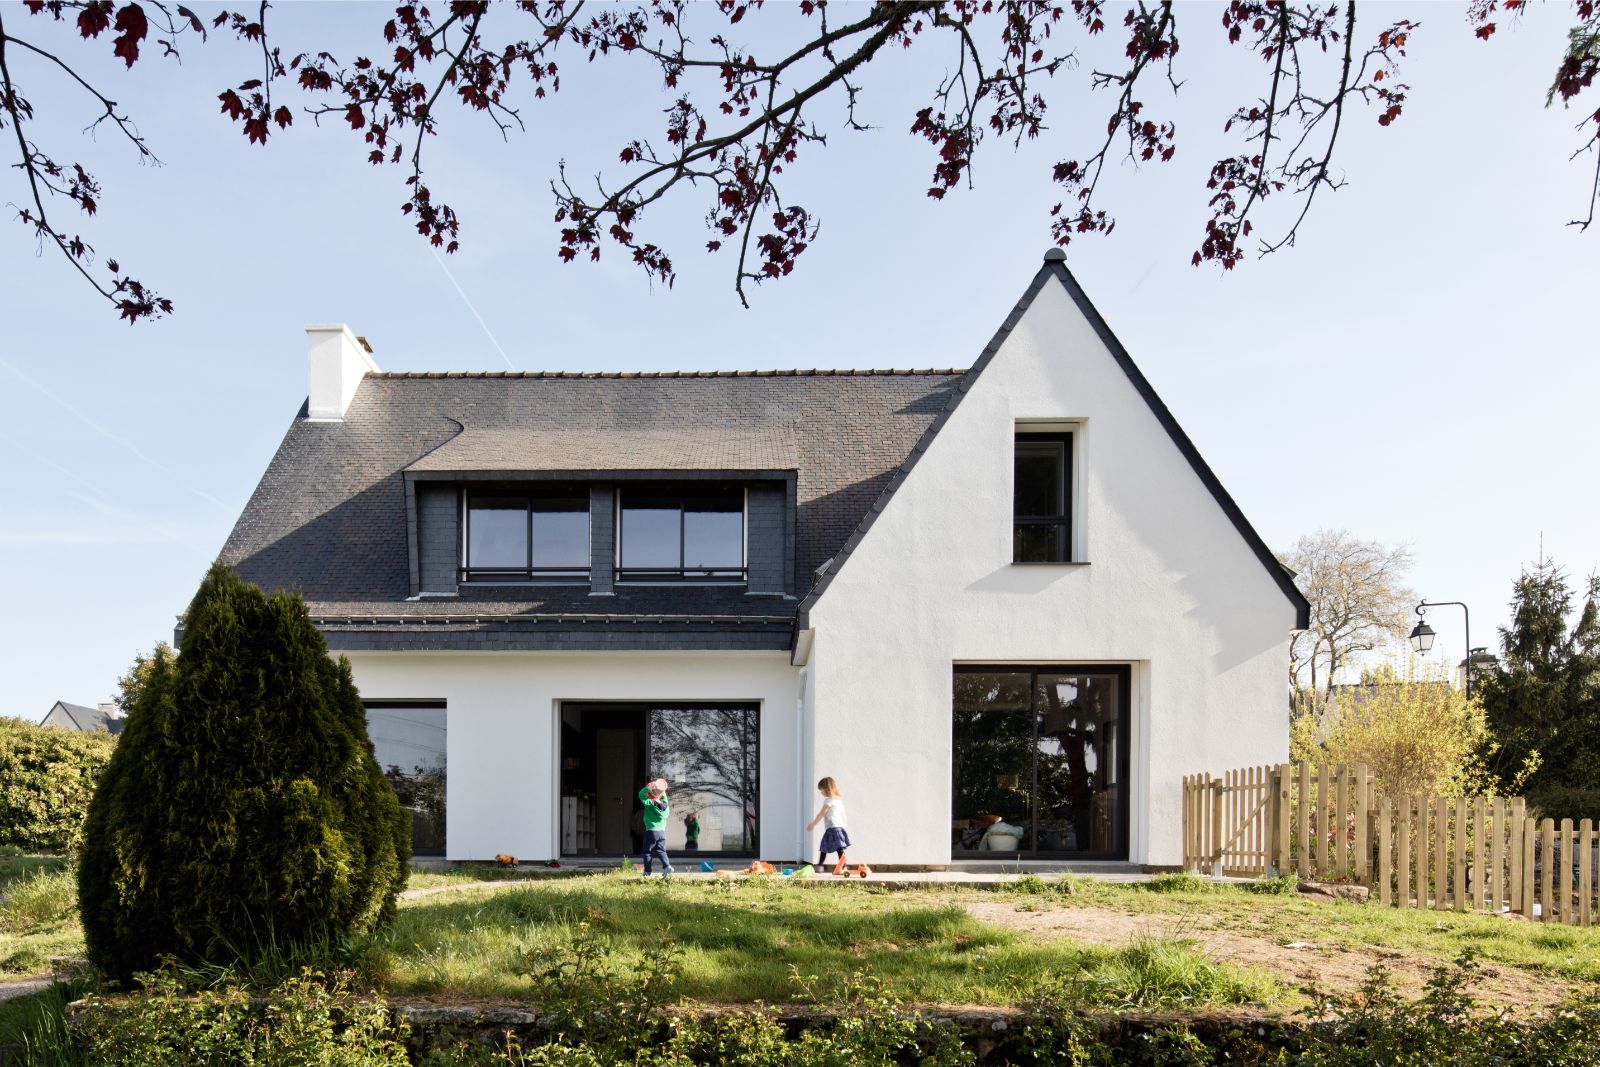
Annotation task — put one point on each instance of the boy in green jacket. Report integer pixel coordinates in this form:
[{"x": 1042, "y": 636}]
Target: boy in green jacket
[{"x": 656, "y": 809}]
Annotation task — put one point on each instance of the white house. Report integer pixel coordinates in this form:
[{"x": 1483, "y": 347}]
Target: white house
[{"x": 1007, "y": 607}]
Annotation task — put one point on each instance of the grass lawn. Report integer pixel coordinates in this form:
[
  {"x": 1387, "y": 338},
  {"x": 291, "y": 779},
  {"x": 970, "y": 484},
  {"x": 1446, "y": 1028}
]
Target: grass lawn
[
  {"x": 38, "y": 914},
  {"x": 1181, "y": 942},
  {"x": 480, "y": 935},
  {"x": 747, "y": 941}
]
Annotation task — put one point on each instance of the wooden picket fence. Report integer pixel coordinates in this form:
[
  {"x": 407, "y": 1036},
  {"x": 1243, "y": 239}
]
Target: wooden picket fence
[{"x": 1328, "y": 823}]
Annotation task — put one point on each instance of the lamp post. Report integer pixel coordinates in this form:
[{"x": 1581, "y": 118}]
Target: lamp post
[{"x": 1422, "y": 636}]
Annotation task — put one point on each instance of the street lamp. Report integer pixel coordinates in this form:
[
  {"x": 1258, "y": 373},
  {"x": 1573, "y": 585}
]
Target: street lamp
[{"x": 1422, "y": 636}]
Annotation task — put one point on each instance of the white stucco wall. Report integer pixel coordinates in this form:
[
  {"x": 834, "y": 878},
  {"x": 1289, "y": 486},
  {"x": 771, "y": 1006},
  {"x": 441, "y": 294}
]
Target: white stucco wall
[
  {"x": 1170, "y": 588},
  {"x": 502, "y": 722}
]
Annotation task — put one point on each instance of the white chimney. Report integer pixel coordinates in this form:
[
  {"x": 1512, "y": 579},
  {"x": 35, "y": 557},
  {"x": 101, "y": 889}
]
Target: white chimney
[{"x": 339, "y": 359}]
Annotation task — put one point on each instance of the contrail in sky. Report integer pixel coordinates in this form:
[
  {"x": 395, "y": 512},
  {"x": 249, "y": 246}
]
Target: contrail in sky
[
  {"x": 472, "y": 309},
  {"x": 109, "y": 436}
]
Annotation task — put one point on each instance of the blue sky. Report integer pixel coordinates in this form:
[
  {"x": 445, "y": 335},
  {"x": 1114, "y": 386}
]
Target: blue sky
[{"x": 1420, "y": 369}]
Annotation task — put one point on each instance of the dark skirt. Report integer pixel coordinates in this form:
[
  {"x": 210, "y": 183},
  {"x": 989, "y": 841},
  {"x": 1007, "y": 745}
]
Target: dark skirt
[{"x": 834, "y": 839}]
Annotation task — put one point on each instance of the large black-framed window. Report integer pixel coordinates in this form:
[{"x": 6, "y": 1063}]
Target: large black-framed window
[
  {"x": 1041, "y": 530},
  {"x": 1040, "y": 761},
  {"x": 709, "y": 752},
  {"x": 408, "y": 740},
  {"x": 691, "y": 534},
  {"x": 517, "y": 536}
]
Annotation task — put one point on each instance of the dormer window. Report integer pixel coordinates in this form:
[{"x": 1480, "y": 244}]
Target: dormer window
[
  {"x": 691, "y": 534},
  {"x": 540, "y": 536},
  {"x": 1041, "y": 530}
]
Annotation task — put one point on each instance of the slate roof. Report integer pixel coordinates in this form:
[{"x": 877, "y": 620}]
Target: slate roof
[
  {"x": 328, "y": 518},
  {"x": 90, "y": 720}
]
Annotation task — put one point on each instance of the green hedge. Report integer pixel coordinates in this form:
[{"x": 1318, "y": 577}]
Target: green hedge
[{"x": 47, "y": 776}]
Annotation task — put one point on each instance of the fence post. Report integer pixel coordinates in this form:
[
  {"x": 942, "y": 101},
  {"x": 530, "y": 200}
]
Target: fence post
[
  {"x": 1514, "y": 850},
  {"x": 1402, "y": 859},
  {"x": 1586, "y": 872},
  {"x": 1419, "y": 850},
  {"x": 1547, "y": 850},
  {"x": 1497, "y": 854},
  {"x": 1303, "y": 814},
  {"x": 1281, "y": 827},
  {"x": 1363, "y": 847},
  {"x": 1530, "y": 833},
  {"x": 1480, "y": 867},
  {"x": 1216, "y": 828},
  {"x": 1441, "y": 853},
  {"x": 1564, "y": 874},
  {"x": 1323, "y": 861},
  {"x": 1385, "y": 827},
  {"x": 1341, "y": 840},
  {"x": 1459, "y": 890}
]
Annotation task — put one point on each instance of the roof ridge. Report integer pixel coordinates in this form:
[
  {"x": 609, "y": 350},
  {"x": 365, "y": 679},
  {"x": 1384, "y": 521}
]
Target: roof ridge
[{"x": 846, "y": 372}]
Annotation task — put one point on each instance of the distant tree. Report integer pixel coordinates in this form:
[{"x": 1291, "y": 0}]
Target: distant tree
[
  {"x": 1417, "y": 734},
  {"x": 243, "y": 803},
  {"x": 1544, "y": 696},
  {"x": 1358, "y": 598},
  {"x": 751, "y": 87},
  {"x": 130, "y": 685}
]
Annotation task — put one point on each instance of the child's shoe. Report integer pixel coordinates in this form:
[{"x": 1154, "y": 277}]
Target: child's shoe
[
  {"x": 666, "y": 872},
  {"x": 840, "y": 868}
]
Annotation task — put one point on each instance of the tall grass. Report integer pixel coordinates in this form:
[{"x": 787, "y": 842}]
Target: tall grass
[{"x": 38, "y": 899}]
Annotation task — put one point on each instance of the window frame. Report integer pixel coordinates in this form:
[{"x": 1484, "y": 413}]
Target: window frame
[
  {"x": 1123, "y": 756},
  {"x": 682, "y": 574},
  {"x": 1064, "y": 520},
  {"x": 529, "y": 573}
]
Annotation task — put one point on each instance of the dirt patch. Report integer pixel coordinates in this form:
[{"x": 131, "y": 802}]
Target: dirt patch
[{"x": 1303, "y": 963}]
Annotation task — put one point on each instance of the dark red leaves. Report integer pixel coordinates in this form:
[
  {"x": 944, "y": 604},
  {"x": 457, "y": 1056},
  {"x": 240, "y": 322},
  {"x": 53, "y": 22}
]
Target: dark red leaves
[
  {"x": 232, "y": 106},
  {"x": 94, "y": 19},
  {"x": 132, "y": 27}
]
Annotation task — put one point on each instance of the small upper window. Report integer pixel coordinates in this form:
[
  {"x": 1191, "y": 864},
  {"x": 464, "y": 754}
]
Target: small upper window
[
  {"x": 523, "y": 537},
  {"x": 675, "y": 535},
  {"x": 1041, "y": 530}
]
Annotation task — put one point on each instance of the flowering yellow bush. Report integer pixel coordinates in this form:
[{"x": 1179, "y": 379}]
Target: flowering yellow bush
[{"x": 1417, "y": 734}]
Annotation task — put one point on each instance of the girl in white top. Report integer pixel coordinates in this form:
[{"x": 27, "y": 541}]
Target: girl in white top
[{"x": 834, "y": 836}]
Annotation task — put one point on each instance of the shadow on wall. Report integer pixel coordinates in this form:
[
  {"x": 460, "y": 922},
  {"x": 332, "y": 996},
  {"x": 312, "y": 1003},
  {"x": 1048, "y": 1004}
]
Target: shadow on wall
[
  {"x": 1024, "y": 580},
  {"x": 1248, "y": 614}
]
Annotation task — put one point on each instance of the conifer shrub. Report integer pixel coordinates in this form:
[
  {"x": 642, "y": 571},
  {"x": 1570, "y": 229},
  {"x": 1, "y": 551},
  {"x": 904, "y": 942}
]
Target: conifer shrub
[{"x": 243, "y": 806}]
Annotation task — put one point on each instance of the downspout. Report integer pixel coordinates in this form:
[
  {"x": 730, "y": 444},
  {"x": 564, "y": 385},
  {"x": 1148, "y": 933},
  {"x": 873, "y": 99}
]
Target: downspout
[{"x": 799, "y": 750}]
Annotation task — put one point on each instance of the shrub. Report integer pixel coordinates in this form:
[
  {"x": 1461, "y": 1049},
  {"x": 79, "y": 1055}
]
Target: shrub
[
  {"x": 47, "y": 776},
  {"x": 1417, "y": 734},
  {"x": 243, "y": 805},
  {"x": 1444, "y": 1026},
  {"x": 306, "y": 1020}
]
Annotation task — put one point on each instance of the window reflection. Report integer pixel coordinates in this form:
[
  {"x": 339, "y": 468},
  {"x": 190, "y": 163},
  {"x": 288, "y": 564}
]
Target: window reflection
[
  {"x": 408, "y": 741},
  {"x": 993, "y": 762},
  {"x": 497, "y": 533},
  {"x": 668, "y": 535},
  {"x": 711, "y": 758},
  {"x": 1036, "y": 762}
]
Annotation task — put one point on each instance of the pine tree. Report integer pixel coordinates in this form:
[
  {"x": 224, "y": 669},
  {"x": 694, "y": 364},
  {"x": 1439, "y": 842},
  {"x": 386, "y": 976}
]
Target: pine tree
[
  {"x": 1545, "y": 696},
  {"x": 243, "y": 805}
]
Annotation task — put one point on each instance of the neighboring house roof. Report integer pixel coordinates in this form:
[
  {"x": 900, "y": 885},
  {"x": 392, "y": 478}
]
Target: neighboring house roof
[
  {"x": 328, "y": 517},
  {"x": 1055, "y": 268},
  {"x": 78, "y": 717}
]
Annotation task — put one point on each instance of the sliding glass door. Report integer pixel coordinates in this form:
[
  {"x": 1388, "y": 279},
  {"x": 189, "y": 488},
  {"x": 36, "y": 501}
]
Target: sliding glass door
[{"x": 1040, "y": 762}]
